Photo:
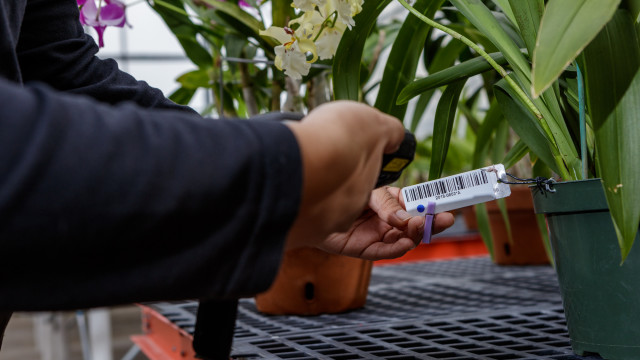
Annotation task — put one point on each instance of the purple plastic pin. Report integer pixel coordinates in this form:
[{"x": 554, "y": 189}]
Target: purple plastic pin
[{"x": 428, "y": 222}]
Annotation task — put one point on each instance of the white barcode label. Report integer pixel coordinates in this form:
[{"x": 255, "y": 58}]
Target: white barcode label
[{"x": 457, "y": 191}]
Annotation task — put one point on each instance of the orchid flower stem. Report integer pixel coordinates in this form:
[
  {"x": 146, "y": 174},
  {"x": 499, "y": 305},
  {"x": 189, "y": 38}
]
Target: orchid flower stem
[
  {"x": 331, "y": 19},
  {"x": 99, "y": 9},
  {"x": 521, "y": 94}
]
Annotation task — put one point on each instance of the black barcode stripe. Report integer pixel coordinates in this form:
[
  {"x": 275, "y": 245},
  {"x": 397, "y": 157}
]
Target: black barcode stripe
[{"x": 445, "y": 186}]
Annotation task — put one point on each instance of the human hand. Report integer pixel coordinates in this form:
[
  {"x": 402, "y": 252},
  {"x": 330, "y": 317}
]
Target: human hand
[
  {"x": 385, "y": 230},
  {"x": 341, "y": 145}
]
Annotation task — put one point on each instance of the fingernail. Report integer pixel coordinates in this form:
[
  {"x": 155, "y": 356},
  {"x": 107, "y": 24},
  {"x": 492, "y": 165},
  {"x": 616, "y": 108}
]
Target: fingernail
[{"x": 403, "y": 215}]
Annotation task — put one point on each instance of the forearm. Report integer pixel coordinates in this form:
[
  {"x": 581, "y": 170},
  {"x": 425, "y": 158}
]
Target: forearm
[{"x": 119, "y": 204}]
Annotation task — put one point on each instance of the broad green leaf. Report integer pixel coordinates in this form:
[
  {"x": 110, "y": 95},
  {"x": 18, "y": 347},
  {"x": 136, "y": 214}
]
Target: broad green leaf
[
  {"x": 506, "y": 9},
  {"x": 524, "y": 124},
  {"x": 182, "y": 96},
  {"x": 528, "y": 14},
  {"x": 442, "y": 127},
  {"x": 195, "y": 79},
  {"x": 240, "y": 21},
  {"x": 184, "y": 30},
  {"x": 446, "y": 56},
  {"x": 236, "y": 12},
  {"x": 346, "y": 63},
  {"x": 421, "y": 107},
  {"x": 612, "y": 82},
  {"x": 579, "y": 21},
  {"x": 501, "y": 138},
  {"x": 517, "y": 152},
  {"x": 482, "y": 18},
  {"x": 492, "y": 120},
  {"x": 403, "y": 59},
  {"x": 502, "y": 206},
  {"x": 463, "y": 70},
  {"x": 542, "y": 226},
  {"x": 483, "y": 226}
]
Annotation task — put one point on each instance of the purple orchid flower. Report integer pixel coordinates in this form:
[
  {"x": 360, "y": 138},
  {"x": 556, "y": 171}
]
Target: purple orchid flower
[{"x": 111, "y": 13}]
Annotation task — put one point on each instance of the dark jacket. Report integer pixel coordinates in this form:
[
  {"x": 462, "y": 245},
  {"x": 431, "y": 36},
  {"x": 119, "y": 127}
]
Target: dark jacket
[{"x": 111, "y": 194}]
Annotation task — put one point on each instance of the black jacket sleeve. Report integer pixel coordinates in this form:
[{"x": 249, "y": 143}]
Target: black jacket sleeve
[
  {"x": 53, "y": 48},
  {"x": 103, "y": 205}
]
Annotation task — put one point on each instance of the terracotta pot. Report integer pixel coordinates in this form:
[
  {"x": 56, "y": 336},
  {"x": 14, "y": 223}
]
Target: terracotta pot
[
  {"x": 311, "y": 282},
  {"x": 527, "y": 247}
]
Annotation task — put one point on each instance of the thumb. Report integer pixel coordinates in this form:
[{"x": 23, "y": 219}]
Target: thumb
[{"x": 385, "y": 202}]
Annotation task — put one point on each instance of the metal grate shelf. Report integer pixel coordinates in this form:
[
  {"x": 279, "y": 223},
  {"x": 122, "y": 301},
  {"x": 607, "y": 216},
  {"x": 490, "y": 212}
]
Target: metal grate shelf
[{"x": 459, "y": 309}]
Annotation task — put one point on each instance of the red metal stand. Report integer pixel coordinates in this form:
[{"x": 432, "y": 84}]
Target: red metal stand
[{"x": 163, "y": 340}]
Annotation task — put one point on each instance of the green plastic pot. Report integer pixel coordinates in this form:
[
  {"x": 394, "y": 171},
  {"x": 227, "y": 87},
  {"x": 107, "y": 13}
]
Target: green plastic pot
[{"x": 601, "y": 296}]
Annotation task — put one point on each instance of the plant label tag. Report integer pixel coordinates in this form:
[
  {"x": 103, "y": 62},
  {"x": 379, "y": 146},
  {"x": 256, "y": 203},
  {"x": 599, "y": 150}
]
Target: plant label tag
[{"x": 457, "y": 191}]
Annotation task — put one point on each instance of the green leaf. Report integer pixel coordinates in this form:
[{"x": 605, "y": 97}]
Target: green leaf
[
  {"x": 238, "y": 20},
  {"x": 482, "y": 18},
  {"x": 446, "y": 56},
  {"x": 579, "y": 21},
  {"x": 403, "y": 59},
  {"x": 500, "y": 141},
  {"x": 346, "y": 63},
  {"x": 483, "y": 226},
  {"x": 517, "y": 152},
  {"x": 195, "y": 79},
  {"x": 542, "y": 226},
  {"x": 236, "y": 12},
  {"x": 612, "y": 83},
  {"x": 492, "y": 120},
  {"x": 527, "y": 15},
  {"x": 442, "y": 127},
  {"x": 182, "y": 96},
  {"x": 184, "y": 30},
  {"x": 421, "y": 107},
  {"x": 463, "y": 70},
  {"x": 524, "y": 124},
  {"x": 506, "y": 5},
  {"x": 502, "y": 206}
]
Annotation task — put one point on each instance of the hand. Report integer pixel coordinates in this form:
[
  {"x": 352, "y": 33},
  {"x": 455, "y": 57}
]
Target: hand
[
  {"x": 385, "y": 230},
  {"x": 341, "y": 145}
]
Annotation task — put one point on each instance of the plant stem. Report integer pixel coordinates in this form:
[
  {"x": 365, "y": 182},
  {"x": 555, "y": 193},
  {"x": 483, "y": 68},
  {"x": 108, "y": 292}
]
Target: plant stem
[
  {"x": 326, "y": 22},
  {"x": 99, "y": 10}
]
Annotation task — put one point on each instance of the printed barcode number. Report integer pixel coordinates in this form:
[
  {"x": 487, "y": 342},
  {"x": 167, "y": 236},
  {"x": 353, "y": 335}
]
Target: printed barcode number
[{"x": 445, "y": 186}]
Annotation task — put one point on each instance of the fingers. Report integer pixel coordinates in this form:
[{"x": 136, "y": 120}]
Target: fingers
[
  {"x": 442, "y": 221},
  {"x": 383, "y": 250},
  {"x": 384, "y": 201},
  {"x": 395, "y": 133}
]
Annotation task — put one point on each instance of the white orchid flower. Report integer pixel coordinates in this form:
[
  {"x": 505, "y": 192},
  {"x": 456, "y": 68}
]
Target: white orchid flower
[
  {"x": 318, "y": 31},
  {"x": 292, "y": 61},
  {"x": 291, "y": 55},
  {"x": 308, "y": 5},
  {"x": 328, "y": 41}
]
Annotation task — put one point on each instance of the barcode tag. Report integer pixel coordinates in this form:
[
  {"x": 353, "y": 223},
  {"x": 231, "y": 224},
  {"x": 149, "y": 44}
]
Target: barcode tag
[{"x": 454, "y": 192}]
